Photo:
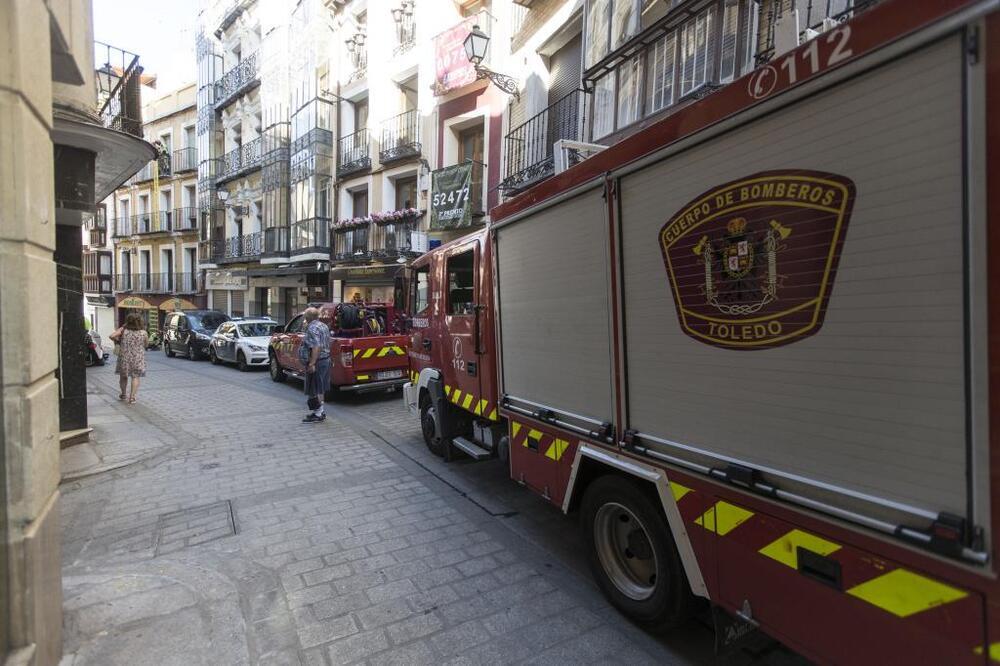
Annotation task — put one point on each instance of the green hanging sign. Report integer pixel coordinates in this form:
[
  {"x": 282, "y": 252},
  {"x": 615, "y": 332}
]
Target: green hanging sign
[{"x": 451, "y": 205}]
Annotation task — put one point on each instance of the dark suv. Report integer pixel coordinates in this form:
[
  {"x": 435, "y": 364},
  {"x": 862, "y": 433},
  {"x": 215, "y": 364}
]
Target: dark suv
[{"x": 190, "y": 332}]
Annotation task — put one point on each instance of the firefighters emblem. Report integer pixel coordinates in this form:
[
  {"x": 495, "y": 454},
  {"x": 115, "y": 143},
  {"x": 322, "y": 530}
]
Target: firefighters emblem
[{"x": 751, "y": 263}]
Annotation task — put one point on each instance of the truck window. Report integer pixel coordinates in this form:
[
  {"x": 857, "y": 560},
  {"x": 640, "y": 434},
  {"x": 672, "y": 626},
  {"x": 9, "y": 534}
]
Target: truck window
[
  {"x": 421, "y": 289},
  {"x": 460, "y": 283}
]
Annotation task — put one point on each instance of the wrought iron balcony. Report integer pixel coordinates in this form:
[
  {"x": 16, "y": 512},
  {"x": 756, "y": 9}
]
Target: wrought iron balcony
[
  {"x": 158, "y": 283},
  {"x": 185, "y": 219},
  {"x": 353, "y": 153},
  {"x": 406, "y": 27},
  {"x": 528, "y": 148},
  {"x": 358, "y": 57},
  {"x": 373, "y": 240},
  {"x": 240, "y": 161},
  {"x": 238, "y": 80},
  {"x": 142, "y": 223},
  {"x": 185, "y": 159},
  {"x": 351, "y": 244},
  {"x": 124, "y": 282},
  {"x": 153, "y": 223},
  {"x": 400, "y": 138},
  {"x": 210, "y": 251},
  {"x": 97, "y": 284},
  {"x": 246, "y": 246},
  {"x": 122, "y": 227},
  {"x": 118, "y": 89},
  {"x": 187, "y": 283}
]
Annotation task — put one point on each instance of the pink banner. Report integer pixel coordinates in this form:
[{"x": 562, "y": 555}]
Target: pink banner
[{"x": 452, "y": 67}]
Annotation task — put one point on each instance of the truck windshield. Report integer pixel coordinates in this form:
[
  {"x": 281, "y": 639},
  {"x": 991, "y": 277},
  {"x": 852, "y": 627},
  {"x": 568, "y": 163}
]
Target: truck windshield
[{"x": 256, "y": 330}]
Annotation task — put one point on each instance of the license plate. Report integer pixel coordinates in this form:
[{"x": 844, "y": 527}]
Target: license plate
[{"x": 388, "y": 374}]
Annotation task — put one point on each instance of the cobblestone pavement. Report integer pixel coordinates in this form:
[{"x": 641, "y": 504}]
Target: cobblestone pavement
[{"x": 250, "y": 538}]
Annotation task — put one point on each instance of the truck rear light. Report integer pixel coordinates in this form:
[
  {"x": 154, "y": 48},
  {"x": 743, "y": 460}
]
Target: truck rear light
[{"x": 347, "y": 357}]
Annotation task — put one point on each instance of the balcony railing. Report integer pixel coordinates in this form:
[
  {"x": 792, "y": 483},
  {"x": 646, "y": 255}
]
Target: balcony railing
[
  {"x": 185, "y": 219},
  {"x": 237, "y": 80},
  {"x": 210, "y": 251},
  {"x": 158, "y": 283},
  {"x": 142, "y": 223},
  {"x": 275, "y": 242},
  {"x": 122, "y": 227},
  {"x": 406, "y": 28},
  {"x": 528, "y": 148},
  {"x": 97, "y": 237},
  {"x": 353, "y": 153},
  {"x": 152, "y": 223},
  {"x": 358, "y": 55},
  {"x": 400, "y": 137},
  {"x": 97, "y": 284},
  {"x": 185, "y": 159},
  {"x": 245, "y": 246},
  {"x": 310, "y": 236},
  {"x": 118, "y": 92},
  {"x": 240, "y": 161},
  {"x": 811, "y": 17},
  {"x": 374, "y": 240}
]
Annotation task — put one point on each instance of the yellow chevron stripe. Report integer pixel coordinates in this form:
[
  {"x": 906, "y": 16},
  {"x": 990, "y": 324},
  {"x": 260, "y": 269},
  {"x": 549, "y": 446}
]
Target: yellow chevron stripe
[
  {"x": 678, "y": 491},
  {"x": 398, "y": 350},
  {"x": 904, "y": 593},
  {"x": 467, "y": 401},
  {"x": 480, "y": 406},
  {"x": 493, "y": 415},
  {"x": 723, "y": 518},
  {"x": 361, "y": 377},
  {"x": 357, "y": 351},
  {"x": 785, "y": 549},
  {"x": 382, "y": 352},
  {"x": 994, "y": 651},
  {"x": 557, "y": 449},
  {"x": 447, "y": 390},
  {"x": 456, "y": 395},
  {"x": 368, "y": 352},
  {"x": 515, "y": 428}
]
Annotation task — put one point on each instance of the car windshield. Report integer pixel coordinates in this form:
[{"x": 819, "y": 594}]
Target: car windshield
[
  {"x": 211, "y": 320},
  {"x": 256, "y": 330}
]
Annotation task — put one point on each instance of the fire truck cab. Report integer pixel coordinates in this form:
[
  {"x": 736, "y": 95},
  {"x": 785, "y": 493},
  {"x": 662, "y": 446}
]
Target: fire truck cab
[{"x": 452, "y": 349}]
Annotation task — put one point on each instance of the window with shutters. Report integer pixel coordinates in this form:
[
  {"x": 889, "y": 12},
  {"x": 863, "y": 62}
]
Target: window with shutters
[
  {"x": 660, "y": 85},
  {"x": 696, "y": 52},
  {"x": 730, "y": 21}
]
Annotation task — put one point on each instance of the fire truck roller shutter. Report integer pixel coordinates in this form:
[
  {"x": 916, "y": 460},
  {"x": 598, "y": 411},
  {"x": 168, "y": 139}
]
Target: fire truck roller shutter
[
  {"x": 870, "y": 400},
  {"x": 553, "y": 302}
]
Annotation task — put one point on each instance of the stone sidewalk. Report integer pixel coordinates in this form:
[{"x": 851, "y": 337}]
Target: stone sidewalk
[{"x": 241, "y": 536}]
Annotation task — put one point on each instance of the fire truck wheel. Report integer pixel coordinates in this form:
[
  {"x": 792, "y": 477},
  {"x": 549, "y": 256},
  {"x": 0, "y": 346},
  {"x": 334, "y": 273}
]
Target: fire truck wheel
[
  {"x": 632, "y": 554},
  {"x": 428, "y": 426},
  {"x": 274, "y": 368}
]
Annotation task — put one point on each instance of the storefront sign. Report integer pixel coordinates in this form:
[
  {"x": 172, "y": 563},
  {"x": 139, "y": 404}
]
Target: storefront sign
[
  {"x": 174, "y": 304},
  {"x": 225, "y": 280},
  {"x": 135, "y": 303},
  {"x": 451, "y": 65},
  {"x": 450, "y": 202}
]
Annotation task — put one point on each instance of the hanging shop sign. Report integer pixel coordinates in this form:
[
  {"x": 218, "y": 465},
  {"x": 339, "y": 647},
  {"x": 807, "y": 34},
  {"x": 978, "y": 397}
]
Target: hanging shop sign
[
  {"x": 452, "y": 68},
  {"x": 225, "y": 280},
  {"x": 451, "y": 206}
]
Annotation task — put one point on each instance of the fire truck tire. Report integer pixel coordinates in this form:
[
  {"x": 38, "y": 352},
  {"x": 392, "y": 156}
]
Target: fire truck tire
[
  {"x": 632, "y": 554},
  {"x": 275, "y": 370},
  {"x": 428, "y": 426}
]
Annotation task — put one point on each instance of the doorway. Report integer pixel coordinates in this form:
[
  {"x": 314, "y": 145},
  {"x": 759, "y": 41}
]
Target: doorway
[{"x": 470, "y": 147}]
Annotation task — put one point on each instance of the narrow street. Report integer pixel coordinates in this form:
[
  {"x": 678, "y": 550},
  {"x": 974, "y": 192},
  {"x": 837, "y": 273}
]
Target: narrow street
[{"x": 351, "y": 541}]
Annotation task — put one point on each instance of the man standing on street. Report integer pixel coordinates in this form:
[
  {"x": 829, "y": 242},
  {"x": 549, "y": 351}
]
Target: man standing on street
[{"x": 316, "y": 346}]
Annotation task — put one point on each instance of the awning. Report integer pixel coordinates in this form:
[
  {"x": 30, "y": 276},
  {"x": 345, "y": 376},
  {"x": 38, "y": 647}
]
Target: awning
[
  {"x": 174, "y": 304},
  {"x": 135, "y": 303},
  {"x": 366, "y": 275}
]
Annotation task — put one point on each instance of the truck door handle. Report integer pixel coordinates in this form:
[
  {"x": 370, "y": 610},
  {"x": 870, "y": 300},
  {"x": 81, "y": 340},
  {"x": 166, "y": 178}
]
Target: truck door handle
[
  {"x": 822, "y": 569},
  {"x": 426, "y": 344}
]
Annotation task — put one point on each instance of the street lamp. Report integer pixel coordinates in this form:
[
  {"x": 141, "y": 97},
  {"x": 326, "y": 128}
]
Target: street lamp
[{"x": 475, "y": 50}]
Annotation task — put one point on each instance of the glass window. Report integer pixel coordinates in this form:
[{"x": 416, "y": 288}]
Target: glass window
[
  {"x": 629, "y": 100},
  {"x": 604, "y": 106},
  {"x": 598, "y": 23},
  {"x": 624, "y": 22},
  {"x": 406, "y": 193},
  {"x": 730, "y": 19},
  {"x": 461, "y": 279},
  {"x": 750, "y": 34},
  {"x": 421, "y": 289},
  {"x": 295, "y": 326},
  {"x": 660, "y": 85},
  {"x": 696, "y": 55},
  {"x": 256, "y": 330},
  {"x": 209, "y": 320},
  {"x": 359, "y": 201}
]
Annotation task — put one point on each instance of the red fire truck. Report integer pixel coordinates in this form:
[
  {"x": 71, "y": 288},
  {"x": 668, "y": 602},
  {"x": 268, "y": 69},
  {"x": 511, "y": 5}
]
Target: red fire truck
[
  {"x": 756, "y": 346},
  {"x": 366, "y": 351}
]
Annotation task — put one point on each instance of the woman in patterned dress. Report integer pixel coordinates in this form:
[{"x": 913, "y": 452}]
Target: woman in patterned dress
[{"x": 132, "y": 340}]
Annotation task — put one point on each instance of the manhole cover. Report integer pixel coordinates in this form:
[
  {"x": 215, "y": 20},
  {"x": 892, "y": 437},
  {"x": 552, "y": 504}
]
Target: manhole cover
[{"x": 191, "y": 527}]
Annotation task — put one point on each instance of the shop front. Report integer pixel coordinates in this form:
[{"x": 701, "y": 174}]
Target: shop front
[
  {"x": 282, "y": 292},
  {"x": 227, "y": 291},
  {"x": 153, "y": 309},
  {"x": 374, "y": 284}
]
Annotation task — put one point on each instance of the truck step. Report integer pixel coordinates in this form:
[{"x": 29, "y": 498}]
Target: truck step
[{"x": 471, "y": 448}]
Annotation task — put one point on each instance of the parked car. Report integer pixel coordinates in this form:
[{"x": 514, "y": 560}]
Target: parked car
[
  {"x": 93, "y": 352},
  {"x": 190, "y": 332},
  {"x": 367, "y": 349},
  {"x": 243, "y": 342}
]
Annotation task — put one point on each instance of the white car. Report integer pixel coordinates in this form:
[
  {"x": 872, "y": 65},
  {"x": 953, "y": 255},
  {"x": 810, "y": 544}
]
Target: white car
[{"x": 243, "y": 342}]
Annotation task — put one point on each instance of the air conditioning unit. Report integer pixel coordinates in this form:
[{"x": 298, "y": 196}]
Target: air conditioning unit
[
  {"x": 786, "y": 32},
  {"x": 567, "y": 152}
]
